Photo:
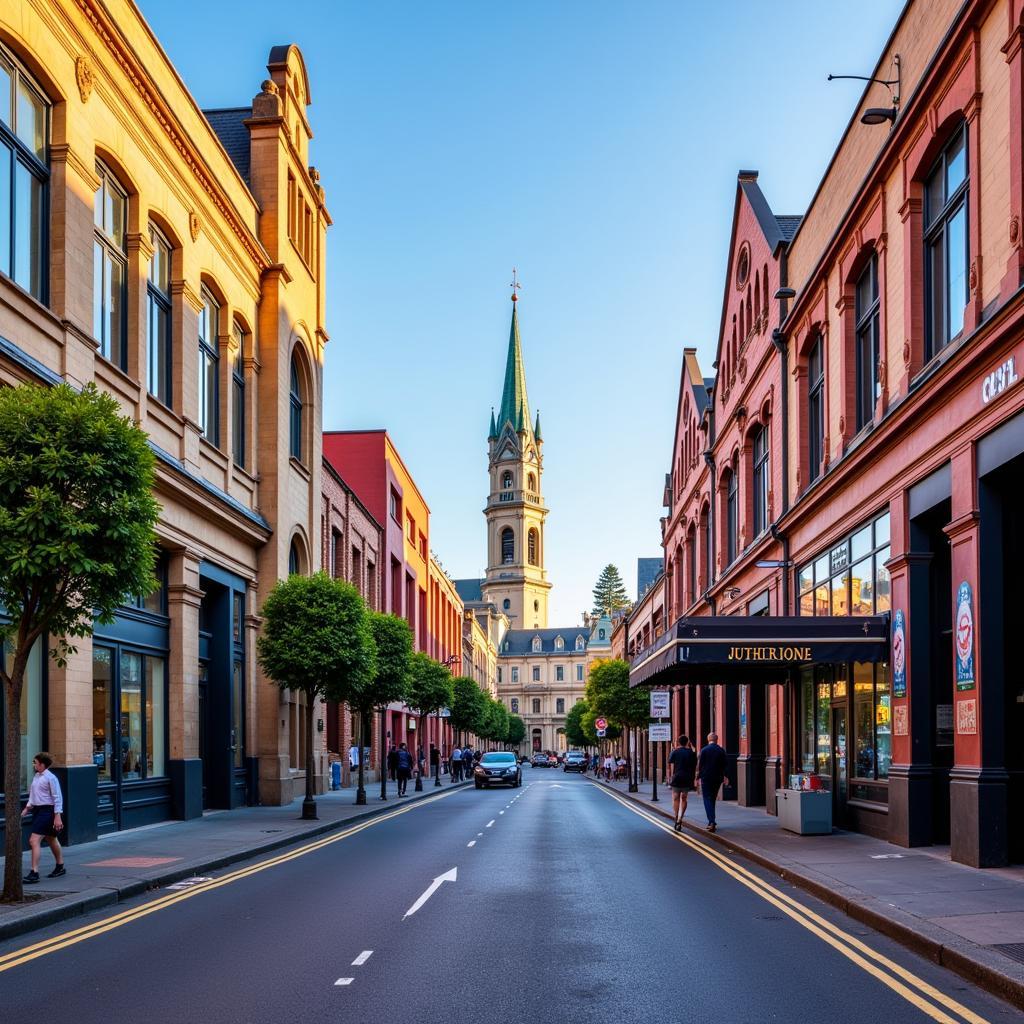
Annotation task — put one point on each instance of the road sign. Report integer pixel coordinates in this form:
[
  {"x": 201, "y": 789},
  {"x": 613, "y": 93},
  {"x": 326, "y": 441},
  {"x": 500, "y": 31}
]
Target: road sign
[
  {"x": 659, "y": 732},
  {"x": 601, "y": 723},
  {"x": 600, "y": 733},
  {"x": 660, "y": 704}
]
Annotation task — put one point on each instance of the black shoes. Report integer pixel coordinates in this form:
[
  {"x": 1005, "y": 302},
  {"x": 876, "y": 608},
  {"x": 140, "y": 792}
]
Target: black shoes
[
  {"x": 57, "y": 872},
  {"x": 32, "y": 877}
]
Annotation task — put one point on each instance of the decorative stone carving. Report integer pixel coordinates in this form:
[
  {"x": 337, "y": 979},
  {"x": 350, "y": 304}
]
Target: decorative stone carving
[
  {"x": 314, "y": 176},
  {"x": 742, "y": 368},
  {"x": 1014, "y": 230},
  {"x": 85, "y": 77},
  {"x": 193, "y": 224},
  {"x": 269, "y": 87},
  {"x": 842, "y": 424},
  {"x": 267, "y": 102}
]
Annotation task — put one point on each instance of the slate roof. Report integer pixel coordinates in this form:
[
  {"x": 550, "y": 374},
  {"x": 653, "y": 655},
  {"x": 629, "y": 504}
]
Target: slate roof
[
  {"x": 519, "y": 642},
  {"x": 647, "y": 570},
  {"x": 233, "y": 135},
  {"x": 468, "y": 590},
  {"x": 788, "y": 223}
]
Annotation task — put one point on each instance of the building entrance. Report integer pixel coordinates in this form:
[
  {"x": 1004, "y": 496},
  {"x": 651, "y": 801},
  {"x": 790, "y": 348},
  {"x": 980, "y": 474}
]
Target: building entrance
[{"x": 840, "y": 774}]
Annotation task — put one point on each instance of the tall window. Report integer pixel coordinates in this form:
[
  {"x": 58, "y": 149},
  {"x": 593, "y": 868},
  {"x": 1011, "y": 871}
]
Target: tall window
[
  {"x": 559, "y": 705},
  {"x": 691, "y": 566},
  {"x": 506, "y": 480},
  {"x": 508, "y": 546},
  {"x": 867, "y": 343},
  {"x": 209, "y": 356},
  {"x": 294, "y": 562},
  {"x": 158, "y": 318},
  {"x": 532, "y": 547},
  {"x": 515, "y": 674},
  {"x": 24, "y": 177},
  {"x": 295, "y": 413},
  {"x": 559, "y": 673},
  {"x": 946, "y": 250},
  {"x": 815, "y": 409},
  {"x": 732, "y": 515},
  {"x": 110, "y": 268},
  {"x": 760, "y": 481},
  {"x": 238, "y": 396},
  {"x": 536, "y": 705},
  {"x": 536, "y": 673}
]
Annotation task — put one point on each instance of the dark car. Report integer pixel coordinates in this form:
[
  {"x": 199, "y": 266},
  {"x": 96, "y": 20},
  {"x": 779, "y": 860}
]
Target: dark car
[
  {"x": 574, "y": 762},
  {"x": 498, "y": 766},
  {"x": 539, "y": 760}
]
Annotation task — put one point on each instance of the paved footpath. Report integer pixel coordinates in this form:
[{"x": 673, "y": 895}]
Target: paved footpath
[
  {"x": 967, "y": 919},
  {"x": 125, "y": 864}
]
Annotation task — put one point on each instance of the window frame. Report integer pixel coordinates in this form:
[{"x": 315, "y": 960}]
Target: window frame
[
  {"x": 732, "y": 515},
  {"x": 209, "y": 357},
  {"x": 107, "y": 249},
  {"x": 815, "y": 408},
  {"x": 867, "y": 329},
  {"x": 761, "y": 477},
  {"x": 158, "y": 303},
  {"x": 296, "y": 404},
  {"x": 507, "y": 540},
  {"x": 238, "y": 395}
]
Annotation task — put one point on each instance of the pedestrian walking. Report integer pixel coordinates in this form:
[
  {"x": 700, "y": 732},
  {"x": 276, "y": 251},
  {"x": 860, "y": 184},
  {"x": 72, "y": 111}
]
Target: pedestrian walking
[
  {"x": 683, "y": 762},
  {"x": 435, "y": 761},
  {"x": 403, "y": 767},
  {"x": 609, "y": 767},
  {"x": 455, "y": 764},
  {"x": 46, "y": 805},
  {"x": 353, "y": 757},
  {"x": 393, "y": 763},
  {"x": 711, "y": 764},
  {"x": 595, "y": 765}
]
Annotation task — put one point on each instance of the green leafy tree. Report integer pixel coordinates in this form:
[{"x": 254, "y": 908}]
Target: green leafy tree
[
  {"x": 500, "y": 715},
  {"x": 392, "y": 640},
  {"x": 575, "y": 735},
  {"x": 316, "y": 640},
  {"x": 516, "y": 731},
  {"x": 609, "y": 591},
  {"x": 430, "y": 689},
  {"x": 609, "y": 694},
  {"x": 77, "y": 516},
  {"x": 467, "y": 706},
  {"x": 587, "y": 720}
]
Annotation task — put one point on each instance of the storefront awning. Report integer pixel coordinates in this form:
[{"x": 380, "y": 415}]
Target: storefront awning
[{"x": 756, "y": 649}]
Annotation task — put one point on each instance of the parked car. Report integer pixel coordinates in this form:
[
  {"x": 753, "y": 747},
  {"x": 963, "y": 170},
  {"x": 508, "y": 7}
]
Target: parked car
[
  {"x": 539, "y": 760},
  {"x": 574, "y": 761},
  {"x": 498, "y": 766},
  {"x": 552, "y": 761}
]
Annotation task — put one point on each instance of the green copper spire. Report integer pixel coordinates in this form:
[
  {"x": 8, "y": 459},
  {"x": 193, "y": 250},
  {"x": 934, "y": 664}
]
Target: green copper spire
[
  {"x": 494, "y": 427},
  {"x": 536, "y": 428},
  {"x": 515, "y": 407}
]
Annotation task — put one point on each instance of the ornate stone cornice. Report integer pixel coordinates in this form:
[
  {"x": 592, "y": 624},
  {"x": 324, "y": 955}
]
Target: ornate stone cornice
[{"x": 126, "y": 60}]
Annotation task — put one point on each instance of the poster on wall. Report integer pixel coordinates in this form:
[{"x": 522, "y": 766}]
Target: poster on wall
[
  {"x": 743, "y": 712},
  {"x": 899, "y": 655},
  {"x": 964, "y": 637}
]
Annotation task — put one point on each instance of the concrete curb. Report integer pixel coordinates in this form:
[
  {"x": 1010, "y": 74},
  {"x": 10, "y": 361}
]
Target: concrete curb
[
  {"x": 986, "y": 968},
  {"x": 61, "y": 908}
]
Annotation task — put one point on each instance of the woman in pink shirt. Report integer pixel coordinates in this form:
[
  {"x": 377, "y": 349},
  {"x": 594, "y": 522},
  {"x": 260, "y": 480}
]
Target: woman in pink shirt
[{"x": 46, "y": 805}]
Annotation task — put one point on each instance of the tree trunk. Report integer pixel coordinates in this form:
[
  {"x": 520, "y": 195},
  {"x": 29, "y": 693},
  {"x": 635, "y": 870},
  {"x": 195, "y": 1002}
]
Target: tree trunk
[
  {"x": 309, "y": 804},
  {"x": 360, "y": 790},
  {"x": 12, "y": 782}
]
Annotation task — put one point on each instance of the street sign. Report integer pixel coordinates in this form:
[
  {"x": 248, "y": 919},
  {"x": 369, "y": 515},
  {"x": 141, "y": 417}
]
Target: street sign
[
  {"x": 660, "y": 700},
  {"x": 659, "y": 732},
  {"x": 444, "y": 713},
  {"x": 600, "y": 733},
  {"x": 601, "y": 724}
]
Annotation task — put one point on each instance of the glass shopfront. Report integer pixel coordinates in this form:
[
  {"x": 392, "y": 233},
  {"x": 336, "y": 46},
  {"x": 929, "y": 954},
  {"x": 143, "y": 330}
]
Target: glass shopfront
[{"x": 33, "y": 719}]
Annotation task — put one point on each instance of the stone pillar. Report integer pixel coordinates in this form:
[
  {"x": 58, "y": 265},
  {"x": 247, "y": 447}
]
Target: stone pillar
[
  {"x": 183, "y": 599},
  {"x": 751, "y": 762}
]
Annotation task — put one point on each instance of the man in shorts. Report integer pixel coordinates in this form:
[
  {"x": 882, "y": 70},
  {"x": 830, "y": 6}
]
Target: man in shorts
[{"x": 683, "y": 762}]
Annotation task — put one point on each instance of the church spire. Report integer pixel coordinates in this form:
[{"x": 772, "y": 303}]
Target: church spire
[{"x": 515, "y": 407}]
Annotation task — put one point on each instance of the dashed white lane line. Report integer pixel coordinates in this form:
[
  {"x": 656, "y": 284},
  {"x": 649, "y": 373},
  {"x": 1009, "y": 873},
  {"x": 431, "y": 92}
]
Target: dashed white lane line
[
  {"x": 472, "y": 842},
  {"x": 362, "y": 958},
  {"x": 501, "y": 812},
  {"x": 344, "y": 981},
  {"x": 479, "y": 834},
  {"x": 490, "y": 823}
]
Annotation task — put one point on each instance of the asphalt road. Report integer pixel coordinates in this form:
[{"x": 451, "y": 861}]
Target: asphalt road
[{"x": 566, "y": 906}]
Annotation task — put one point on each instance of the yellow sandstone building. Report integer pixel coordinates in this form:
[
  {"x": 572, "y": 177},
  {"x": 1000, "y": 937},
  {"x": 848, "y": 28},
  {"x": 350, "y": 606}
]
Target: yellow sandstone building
[{"x": 174, "y": 257}]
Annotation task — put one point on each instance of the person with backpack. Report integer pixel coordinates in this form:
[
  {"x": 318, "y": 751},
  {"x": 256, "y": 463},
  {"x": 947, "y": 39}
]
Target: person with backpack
[{"x": 403, "y": 766}]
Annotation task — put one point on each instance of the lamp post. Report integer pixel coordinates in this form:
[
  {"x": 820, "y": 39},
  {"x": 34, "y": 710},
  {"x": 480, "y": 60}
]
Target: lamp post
[
  {"x": 448, "y": 663},
  {"x": 384, "y": 737}
]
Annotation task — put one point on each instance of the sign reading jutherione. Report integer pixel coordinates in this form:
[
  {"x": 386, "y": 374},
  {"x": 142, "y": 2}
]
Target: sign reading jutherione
[
  {"x": 660, "y": 704},
  {"x": 772, "y": 653},
  {"x": 963, "y": 627}
]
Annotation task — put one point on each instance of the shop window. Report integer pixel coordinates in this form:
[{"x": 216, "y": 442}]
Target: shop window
[
  {"x": 815, "y": 409},
  {"x": 159, "y": 359},
  {"x": 238, "y": 713},
  {"x": 295, "y": 405},
  {"x": 867, "y": 317},
  {"x": 24, "y": 177},
  {"x": 238, "y": 396},
  {"x": 110, "y": 268},
  {"x": 209, "y": 357},
  {"x": 872, "y": 721},
  {"x": 760, "y": 481},
  {"x": 508, "y": 546},
  {"x": 946, "y": 247},
  {"x": 32, "y": 711}
]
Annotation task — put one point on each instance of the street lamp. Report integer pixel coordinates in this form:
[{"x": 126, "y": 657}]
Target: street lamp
[{"x": 448, "y": 663}]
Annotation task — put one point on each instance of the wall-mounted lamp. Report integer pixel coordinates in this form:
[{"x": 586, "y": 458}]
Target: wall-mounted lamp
[{"x": 879, "y": 115}]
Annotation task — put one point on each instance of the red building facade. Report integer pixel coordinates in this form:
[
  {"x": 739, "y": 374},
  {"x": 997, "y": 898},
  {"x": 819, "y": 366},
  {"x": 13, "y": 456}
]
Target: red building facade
[{"x": 862, "y": 448}]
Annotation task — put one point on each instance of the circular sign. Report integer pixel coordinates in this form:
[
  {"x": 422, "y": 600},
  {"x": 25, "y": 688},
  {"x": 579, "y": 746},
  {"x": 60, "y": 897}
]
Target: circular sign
[{"x": 600, "y": 723}]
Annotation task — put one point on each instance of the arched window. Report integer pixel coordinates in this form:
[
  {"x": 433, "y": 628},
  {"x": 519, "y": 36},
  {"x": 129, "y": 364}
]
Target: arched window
[
  {"x": 760, "y": 481},
  {"x": 732, "y": 515},
  {"x": 506, "y": 604},
  {"x": 508, "y": 546},
  {"x": 757, "y": 297},
  {"x": 579, "y": 643},
  {"x": 946, "y": 245},
  {"x": 159, "y": 359},
  {"x": 506, "y": 480},
  {"x": 815, "y": 409},
  {"x": 691, "y": 566},
  {"x": 536, "y": 645},
  {"x": 295, "y": 412},
  {"x": 559, "y": 644},
  {"x": 110, "y": 270},
  {"x": 24, "y": 177},
  {"x": 209, "y": 357},
  {"x": 294, "y": 559},
  {"x": 531, "y": 546},
  {"x": 867, "y": 316},
  {"x": 750, "y": 322},
  {"x": 238, "y": 395}
]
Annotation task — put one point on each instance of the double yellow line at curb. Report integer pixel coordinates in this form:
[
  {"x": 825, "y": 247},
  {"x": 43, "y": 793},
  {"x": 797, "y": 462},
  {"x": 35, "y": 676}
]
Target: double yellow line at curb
[
  {"x": 89, "y": 931},
  {"x": 895, "y": 977}
]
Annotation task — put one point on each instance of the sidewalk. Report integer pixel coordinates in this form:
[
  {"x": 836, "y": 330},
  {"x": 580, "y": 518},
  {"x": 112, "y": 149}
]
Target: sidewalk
[
  {"x": 126, "y": 864},
  {"x": 969, "y": 920}
]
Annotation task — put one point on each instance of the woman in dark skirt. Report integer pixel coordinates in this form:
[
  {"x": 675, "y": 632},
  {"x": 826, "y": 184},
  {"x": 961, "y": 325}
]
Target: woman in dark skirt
[{"x": 46, "y": 805}]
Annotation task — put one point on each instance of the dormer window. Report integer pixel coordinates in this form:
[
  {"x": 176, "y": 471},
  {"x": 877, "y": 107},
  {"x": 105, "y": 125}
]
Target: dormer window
[
  {"x": 559, "y": 644},
  {"x": 536, "y": 645},
  {"x": 579, "y": 643}
]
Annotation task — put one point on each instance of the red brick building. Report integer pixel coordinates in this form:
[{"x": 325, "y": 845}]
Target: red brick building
[{"x": 857, "y": 462}]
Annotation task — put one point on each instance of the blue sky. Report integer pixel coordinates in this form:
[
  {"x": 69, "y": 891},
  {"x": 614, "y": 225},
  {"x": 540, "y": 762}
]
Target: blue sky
[{"x": 593, "y": 145}]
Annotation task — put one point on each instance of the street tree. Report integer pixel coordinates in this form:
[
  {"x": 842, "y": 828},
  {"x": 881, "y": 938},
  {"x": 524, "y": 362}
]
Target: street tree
[
  {"x": 392, "y": 639},
  {"x": 430, "y": 689},
  {"x": 467, "y": 706},
  {"x": 575, "y": 735},
  {"x": 316, "y": 640},
  {"x": 516, "y": 731},
  {"x": 77, "y": 518},
  {"x": 609, "y": 693},
  {"x": 500, "y": 719},
  {"x": 609, "y": 591}
]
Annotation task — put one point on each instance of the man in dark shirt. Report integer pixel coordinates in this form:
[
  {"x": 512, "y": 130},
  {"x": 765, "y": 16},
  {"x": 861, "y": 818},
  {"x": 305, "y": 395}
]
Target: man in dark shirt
[
  {"x": 711, "y": 773},
  {"x": 684, "y": 766}
]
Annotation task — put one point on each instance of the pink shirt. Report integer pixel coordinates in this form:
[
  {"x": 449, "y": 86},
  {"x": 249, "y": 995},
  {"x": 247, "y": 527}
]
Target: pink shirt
[{"x": 45, "y": 791}]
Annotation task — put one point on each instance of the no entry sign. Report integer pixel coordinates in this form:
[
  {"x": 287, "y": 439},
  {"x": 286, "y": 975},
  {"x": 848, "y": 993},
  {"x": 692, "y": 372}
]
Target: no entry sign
[{"x": 600, "y": 723}]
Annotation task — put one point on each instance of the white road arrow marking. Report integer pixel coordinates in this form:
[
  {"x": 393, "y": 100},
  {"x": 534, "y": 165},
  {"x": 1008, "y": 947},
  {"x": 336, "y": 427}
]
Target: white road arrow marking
[
  {"x": 362, "y": 958},
  {"x": 448, "y": 876},
  {"x": 556, "y": 785}
]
